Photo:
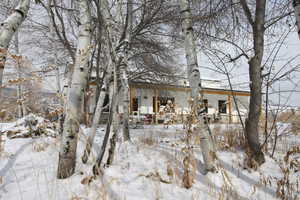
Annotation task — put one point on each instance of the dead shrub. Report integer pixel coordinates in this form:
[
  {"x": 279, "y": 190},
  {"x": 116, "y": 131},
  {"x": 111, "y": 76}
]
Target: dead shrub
[
  {"x": 189, "y": 174},
  {"x": 155, "y": 176},
  {"x": 287, "y": 188},
  {"x": 87, "y": 180},
  {"x": 295, "y": 124},
  {"x": 2, "y": 143},
  {"x": 230, "y": 139},
  {"x": 39, "y": 146},
  {"x": 148, "y": 141},
  {"x": 284, "y": 116}
]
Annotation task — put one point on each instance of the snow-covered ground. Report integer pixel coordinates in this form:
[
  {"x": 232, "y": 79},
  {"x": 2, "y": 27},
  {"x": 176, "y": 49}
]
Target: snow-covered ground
[{"x": 140, "y": 170}]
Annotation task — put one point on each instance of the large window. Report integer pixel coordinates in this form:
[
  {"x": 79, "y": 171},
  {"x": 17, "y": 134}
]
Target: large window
[{"x": 222, "y": 106}]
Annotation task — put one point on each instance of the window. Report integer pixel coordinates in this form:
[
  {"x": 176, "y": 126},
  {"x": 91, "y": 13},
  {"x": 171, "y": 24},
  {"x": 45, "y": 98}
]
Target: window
[
  {"x": 135, "y": 104},
  {"x": 161, "y": 101},
  {"x": 164, "y": 100},
  {"x": 222, "y": 106}
]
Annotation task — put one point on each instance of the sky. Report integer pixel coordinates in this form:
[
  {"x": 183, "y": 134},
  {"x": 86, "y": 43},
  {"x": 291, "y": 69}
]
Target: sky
[{"x": 240, "y": 78}]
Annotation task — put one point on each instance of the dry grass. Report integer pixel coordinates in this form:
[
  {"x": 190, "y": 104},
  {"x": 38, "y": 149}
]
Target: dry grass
[
  {"x": 295, "y": 124},
  {"x": 148, "y": 139},
  {"x": 287, "y": 188},
  {"x": 292, "y": 118},
  {"x": 39, "y": 146},
  {"x": 229, "y": 139},
  {"x": 1, "y": 144}
]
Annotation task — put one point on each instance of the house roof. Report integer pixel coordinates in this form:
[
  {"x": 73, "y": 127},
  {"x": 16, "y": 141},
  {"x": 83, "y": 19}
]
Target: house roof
[{"x": 208, "y": 89}]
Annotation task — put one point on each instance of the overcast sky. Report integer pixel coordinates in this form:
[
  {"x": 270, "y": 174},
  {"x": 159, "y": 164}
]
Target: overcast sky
[{"x": 240, "y": 77}]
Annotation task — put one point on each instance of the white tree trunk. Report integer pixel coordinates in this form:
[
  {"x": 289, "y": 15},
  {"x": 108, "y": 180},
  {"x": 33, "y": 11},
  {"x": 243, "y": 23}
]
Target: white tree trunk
[
  {"x": 67, "y": 154},
  {"x": 296, "y": 5},
  {"x": 7, "y": 30},
  {"x": 119, "y": 54},
  {"x": 95, "y": 122},
  {"x": 112, "y": 98},
  {"x": 124, "y": 66},
  {"x": 206, "y": 143},
  {"x": 125, "y": 86}
]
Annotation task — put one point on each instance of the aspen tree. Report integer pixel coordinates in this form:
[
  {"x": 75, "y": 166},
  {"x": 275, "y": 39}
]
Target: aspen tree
[
  {"x": 193, "y": 72},
  {"x": 67, "y": 154}
]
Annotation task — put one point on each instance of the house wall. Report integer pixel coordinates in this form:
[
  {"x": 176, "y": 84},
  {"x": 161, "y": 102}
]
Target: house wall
[{"x": 145, "y": 98}]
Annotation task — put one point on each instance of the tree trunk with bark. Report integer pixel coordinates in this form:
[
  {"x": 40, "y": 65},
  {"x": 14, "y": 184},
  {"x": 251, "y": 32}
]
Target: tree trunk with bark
[
  {"x": 95, "y": 123},
  {"x": 193, "y": 72},
  {"x": 8, "y": 29},
  {"x": 96, "y": 167},
  {"x": 115, "y": 127},
  {"x": 255, "y": 75},
  {"x": 124, "y": 66},
  {"x": 126, "y": 101},
  {"x": 67, "y": 154},
  {"x": 296, "y": 5}
]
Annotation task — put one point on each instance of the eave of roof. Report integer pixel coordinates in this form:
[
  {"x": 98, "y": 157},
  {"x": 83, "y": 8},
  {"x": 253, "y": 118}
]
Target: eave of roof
[{"x": 166, "y": 86}]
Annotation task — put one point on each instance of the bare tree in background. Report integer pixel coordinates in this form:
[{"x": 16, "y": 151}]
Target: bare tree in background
[
  {"x": 67, "y": 154},
  {"x": 296, "y": 5}
]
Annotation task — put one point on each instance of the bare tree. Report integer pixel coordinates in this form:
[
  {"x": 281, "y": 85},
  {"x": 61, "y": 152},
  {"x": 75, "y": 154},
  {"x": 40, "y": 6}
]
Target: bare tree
[
  {"x": 296, "y": 5},
  {"x": 255, "y": 73},
  {"x": 67, "y": 154},
  {"x": 193, "y": 72}
]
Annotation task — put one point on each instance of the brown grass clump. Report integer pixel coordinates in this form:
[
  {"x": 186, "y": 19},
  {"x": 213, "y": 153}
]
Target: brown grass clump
[
  {"x": 39, "y": 146},
  {"x": 190, "y": 168},
  {"x": 2, "y": 143},
  {"x": 230, "y": 139},
  {"x": 87, "y": 180},
  {"x": 287, "y": 188},
  {"x": 295, "y": 128},
  {"x": 148, "y": 140},
  {"x": 291, "y": 117}
]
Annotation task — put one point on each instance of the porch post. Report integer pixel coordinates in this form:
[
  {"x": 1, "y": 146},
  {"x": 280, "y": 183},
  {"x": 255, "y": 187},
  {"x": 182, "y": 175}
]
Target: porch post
[
  {"x": 156, "y": 107},
  {"x": 230, "y": 109}
]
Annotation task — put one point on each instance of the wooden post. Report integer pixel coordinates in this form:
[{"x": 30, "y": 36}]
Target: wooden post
[
  {"x": 156, "y": 107},
  {"x": 130, "y": 100},
  {"x": 230, "y": 109}
]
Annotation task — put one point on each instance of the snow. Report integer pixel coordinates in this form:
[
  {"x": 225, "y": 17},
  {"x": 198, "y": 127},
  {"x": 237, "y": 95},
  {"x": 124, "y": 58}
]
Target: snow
[{"x": 139, "y": 172}]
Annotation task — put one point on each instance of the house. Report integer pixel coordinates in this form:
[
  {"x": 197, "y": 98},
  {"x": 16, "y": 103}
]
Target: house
[{"x": 220, "y": 103}]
